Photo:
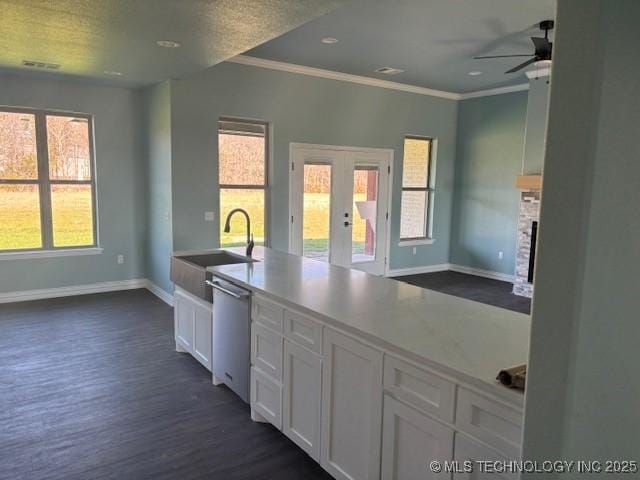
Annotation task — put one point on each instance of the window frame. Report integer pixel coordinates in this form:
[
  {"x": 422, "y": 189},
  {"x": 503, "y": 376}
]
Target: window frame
[
  {"x": 429, "y": 190},
  {"x": 265, "y": 187},
  {"x": 44, "y": 182}
]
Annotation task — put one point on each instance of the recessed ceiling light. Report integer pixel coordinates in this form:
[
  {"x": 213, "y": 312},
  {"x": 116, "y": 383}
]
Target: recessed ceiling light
[
  {"x": 167, "y": 44},
  {"x": 475, "y": 73},
  {"x": 113, "y": 73},
  {"x": 389, "y": 70},
  {"x": 329, "y": 40}
]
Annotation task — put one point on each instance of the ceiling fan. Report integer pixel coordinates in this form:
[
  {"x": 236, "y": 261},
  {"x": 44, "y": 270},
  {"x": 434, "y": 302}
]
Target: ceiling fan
[{"x": 542, "y": 45}]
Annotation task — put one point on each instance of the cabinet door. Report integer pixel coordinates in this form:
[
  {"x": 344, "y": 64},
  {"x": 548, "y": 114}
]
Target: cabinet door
[
  {"x": 411, "y": 441},
  {"x": 202, "y": 339},
  {"x": 266, "y": 397},
  {"x": 301, "y": 398},
  {"x": 468, "y": 453},
  {"x": 351, "y": 408},
  {"x": 183, "y": 321},
  {"x": 266, "y": 350}
]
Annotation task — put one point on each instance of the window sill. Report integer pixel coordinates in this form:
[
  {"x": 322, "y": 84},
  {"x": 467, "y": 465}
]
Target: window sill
[
  {"x": 413, "y": 243},
  {"x": 69, "y": 252}
]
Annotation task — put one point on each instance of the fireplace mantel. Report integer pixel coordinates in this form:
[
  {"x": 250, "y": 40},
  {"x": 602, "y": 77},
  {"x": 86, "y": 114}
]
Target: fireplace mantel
[{"x": 529, "y": 182}]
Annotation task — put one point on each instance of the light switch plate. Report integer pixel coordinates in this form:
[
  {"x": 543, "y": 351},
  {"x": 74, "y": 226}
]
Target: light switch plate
[{"x": 209, "y": 216}]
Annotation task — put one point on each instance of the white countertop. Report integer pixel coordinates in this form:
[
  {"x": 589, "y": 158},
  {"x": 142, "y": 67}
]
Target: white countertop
[{"x": 462, "y": 337}]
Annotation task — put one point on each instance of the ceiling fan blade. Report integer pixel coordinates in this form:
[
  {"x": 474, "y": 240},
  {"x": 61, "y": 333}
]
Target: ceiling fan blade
[
  {"x": 522, "y": 65},
  {"x": 541, "y": 44},
  {"x": 504, "y": 56}
]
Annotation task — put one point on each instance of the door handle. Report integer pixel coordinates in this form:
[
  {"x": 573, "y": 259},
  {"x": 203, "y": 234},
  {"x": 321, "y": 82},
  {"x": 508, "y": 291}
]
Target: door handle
[{"x": 346, "y": 224}]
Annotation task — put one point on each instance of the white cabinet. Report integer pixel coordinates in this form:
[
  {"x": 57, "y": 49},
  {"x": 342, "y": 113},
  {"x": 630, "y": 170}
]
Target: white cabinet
[
  {"x": 301, "y": 398},
  {"x": 494, "y": 423},
  {"x": 266, "y": 350},
  {"x": 183, "y": 314},
  {"x": 410, "y": 441},
  {"x": 351, "y": 408},
  {"x": 363, "y": 412},
  {"x": 303, "y": 330},
  {"x": 466, "y": 450},
  {"x": 266, "y": 397},
  {"x": 419, "y": 388},
  {"x": 267, "y": 312},
  {"x": 193, "y": 322}
]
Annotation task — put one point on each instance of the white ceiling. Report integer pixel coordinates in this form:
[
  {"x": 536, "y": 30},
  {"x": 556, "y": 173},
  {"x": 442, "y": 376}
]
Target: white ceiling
[
  {"x": 88, "y": 37},
  {"x": 434, "y": 41}
]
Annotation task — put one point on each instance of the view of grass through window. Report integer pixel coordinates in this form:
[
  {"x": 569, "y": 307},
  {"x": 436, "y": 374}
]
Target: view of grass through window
[
  {"x": 242, "y": 179},
  {"x": 65, "y": 190}
]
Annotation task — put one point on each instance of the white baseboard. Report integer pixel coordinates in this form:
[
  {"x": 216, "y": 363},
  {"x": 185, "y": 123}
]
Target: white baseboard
[
  {"x": 400, "y": 272},
  {"x": 24, "y": 295},
  {"x": 505, "y": 277},
  {"x": 163, "y": 295}
]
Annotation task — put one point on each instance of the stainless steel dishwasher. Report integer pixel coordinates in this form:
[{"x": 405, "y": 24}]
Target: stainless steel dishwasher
[{"x": 231, "y": 335}]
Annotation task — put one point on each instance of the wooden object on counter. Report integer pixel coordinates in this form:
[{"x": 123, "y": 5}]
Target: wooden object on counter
[
  {"x": 529, "y": 182},
  {"x": 514, "y": 377}
]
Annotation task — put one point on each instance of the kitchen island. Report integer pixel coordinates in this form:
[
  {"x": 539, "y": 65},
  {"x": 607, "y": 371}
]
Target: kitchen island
[{"x": 374, "y": 378}]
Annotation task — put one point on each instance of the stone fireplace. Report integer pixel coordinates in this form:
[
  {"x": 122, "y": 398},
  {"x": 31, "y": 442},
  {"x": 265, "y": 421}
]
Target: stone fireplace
[{"x": 527, "y": 236}]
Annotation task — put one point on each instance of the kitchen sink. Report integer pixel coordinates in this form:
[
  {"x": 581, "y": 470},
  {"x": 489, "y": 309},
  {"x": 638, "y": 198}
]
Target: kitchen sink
[{"x": 190, "y": 271}]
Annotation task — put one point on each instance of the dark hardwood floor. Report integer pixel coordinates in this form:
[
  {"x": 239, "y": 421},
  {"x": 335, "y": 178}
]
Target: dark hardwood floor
[
  {"x": 480, "y": 289},
  {"x": 91, "y": 387}
]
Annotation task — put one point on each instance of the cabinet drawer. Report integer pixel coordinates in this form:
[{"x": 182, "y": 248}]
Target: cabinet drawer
[
  {"x": 303, "y": 330},
  {"x": 267, "y": 312},
  {"x": 466, "y": 450},
  {"x": 266, "y": 350},
  {"x": 492, "y": 422},
  {"x": 424, "y": 390},
  {"x": 266, "y": 397}
]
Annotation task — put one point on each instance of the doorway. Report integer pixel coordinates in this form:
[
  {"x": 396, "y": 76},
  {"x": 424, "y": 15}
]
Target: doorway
[{"x": 339, "y": 204}]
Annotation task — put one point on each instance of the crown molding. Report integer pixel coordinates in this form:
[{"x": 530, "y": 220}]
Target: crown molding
[
  {"x": 344, "y": 77},
  {"x": 372, "y": 82},
  {"x": 494, "y": 91}
]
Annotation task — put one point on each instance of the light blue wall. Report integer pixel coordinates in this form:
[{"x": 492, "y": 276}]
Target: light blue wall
[
  {"x": 582, "y": 385},
  {"x": 300, "y": 109},
  {"x": 120, "y": 178},
  {"x": 157, "y": 137},
  {"x": 489, "y": 157},
  {"x": 535, "y": 136}
]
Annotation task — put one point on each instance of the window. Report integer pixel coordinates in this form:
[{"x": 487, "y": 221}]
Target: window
[
  {"x": 242, "y": 175},
  {"x": 47, "y": 181},
  {"x": 417, "y": 189}
]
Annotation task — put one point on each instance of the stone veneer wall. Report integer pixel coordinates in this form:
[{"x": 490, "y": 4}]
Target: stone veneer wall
[{"x": 529, "y": 213}]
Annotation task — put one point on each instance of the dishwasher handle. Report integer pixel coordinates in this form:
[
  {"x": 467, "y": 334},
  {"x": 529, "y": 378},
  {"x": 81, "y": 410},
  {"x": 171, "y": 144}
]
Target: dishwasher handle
[{"x": 216, "y": 284}]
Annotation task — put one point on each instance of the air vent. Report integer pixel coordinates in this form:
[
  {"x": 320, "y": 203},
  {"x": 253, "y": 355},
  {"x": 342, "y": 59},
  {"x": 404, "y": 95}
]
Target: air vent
[
  {"x": 43, "y": 65},
  {"x": 389, "y": 70}
]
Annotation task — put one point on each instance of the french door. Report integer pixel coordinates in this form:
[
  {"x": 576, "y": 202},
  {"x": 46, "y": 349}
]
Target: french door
[{"x": 339, "y": 203}]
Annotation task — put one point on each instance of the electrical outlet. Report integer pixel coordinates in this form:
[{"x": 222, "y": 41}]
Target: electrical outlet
[
  {"x": 209, "y": 216},
  {"x": 501, "y": 255},
  {"x": 414, "y": 250},
  {"x": 120, "y": 259}
]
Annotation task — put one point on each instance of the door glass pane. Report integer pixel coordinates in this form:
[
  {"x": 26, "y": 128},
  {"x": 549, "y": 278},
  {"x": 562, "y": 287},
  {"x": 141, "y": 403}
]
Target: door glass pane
[
  {"x": 242, "y": 159},
  {"x": 19, "y": 217},
  {"x": 414, "y": 214},
  {"x": 365, "y": 212},
  {"x": 72, "y": 215},
  {"x": 251, "y": 200},
  {"x": 415, "y": 165},
  {"x": 316, "y": 215},
  {"x": 68, "y": 143},
  {"x": 18, "y": 146}
]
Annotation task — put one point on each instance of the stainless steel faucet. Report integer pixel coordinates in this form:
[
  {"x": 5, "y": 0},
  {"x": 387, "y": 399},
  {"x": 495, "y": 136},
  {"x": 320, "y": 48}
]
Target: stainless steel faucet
[{"x": 227, "y": 228}]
